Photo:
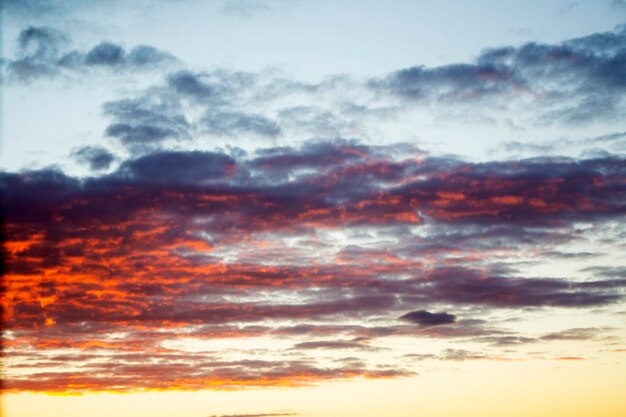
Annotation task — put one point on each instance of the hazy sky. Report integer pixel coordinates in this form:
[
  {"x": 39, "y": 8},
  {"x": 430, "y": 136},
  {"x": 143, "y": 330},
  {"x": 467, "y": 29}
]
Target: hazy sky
[{"x": 325, "y": 208}]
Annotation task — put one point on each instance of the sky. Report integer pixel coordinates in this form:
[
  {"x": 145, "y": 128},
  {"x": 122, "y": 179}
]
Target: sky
[{"x": 257, "y": 208}]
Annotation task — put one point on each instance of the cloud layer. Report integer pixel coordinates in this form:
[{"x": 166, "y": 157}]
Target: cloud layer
[
  {"x": 281, "y": 260},
  {"x": 188, "y": 245}
]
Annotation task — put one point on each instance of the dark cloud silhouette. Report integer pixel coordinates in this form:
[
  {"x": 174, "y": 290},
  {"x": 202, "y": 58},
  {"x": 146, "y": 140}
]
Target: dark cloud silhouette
[
  {"x": 426, "y": 318},
  {"x": 97, "y": 158},
  {"x": 174, "y": 167},
  {"x": 106, "y": 53}
]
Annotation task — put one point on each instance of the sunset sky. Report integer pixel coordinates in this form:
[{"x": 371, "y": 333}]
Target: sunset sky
[{"x": 263, "y": 208}]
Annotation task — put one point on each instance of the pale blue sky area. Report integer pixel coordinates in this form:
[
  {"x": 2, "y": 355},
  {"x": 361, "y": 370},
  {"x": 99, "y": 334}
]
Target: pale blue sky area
[
  {"x": 300, "y": 43},
  {"x": 312, "y": 39}
]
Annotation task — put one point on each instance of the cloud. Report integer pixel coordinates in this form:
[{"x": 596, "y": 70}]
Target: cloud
[
  {"x": 461, "y": 355},
  {"x": 191, "y": 375},
  {"x": 43, "y": 52},
  {"x": 143, "y": 124},
  {"x": 456, "y": 81},
  {"x": 97, "y": 158},
  {"x": 186, "y": 83},
  {"x": 180, "y": 246},
  {"x": 334, "y": 345},
  {"x": 472, "y": 287},
  {"x": 456, "y": 355},
  {"x": 37, "y": 47},
  {"x": 41, "y": 43},
  {"x": 234, "y": 123},
  {"x": 105, "y": 53},
  {"x": 178, "y": 167},
  {"x": 580, "y": 333},
  {"x": 575, "y": 81},
  {"x": 425, "y": 318},
  {"x": 159, "y": 114}
]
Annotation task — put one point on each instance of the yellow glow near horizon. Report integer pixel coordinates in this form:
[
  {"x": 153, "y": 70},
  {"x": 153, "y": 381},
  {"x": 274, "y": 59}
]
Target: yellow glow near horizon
[{"x": 473, "y": 388}]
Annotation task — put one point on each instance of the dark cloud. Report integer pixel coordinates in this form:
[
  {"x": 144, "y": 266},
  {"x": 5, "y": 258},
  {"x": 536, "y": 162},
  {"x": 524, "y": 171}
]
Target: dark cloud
[
  {"x": 142, "y": 124},
  {"x": 320, "y": 156},
  {"x": 344, "y": 183},
  {"x": 43, "y": 52},
  {"x": 37, "y": 48},
  {"x": 473, "y": 287},
  {"x": 576, "y": 81},
  {"x": 458, "y": 81},
  {"x": 215, "y": 88},
  {"x": 426, "y": 318},
  {"x": 178, "y": 167},
  {"x": 144, "y": 55},
  {"x": 105, "y": 53},
  {"x": 189, "y": 84},
  {"x": 97, "y": 158},
  {"x": 174, "y": 245},
  {"x": 41, "y": 43}
]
